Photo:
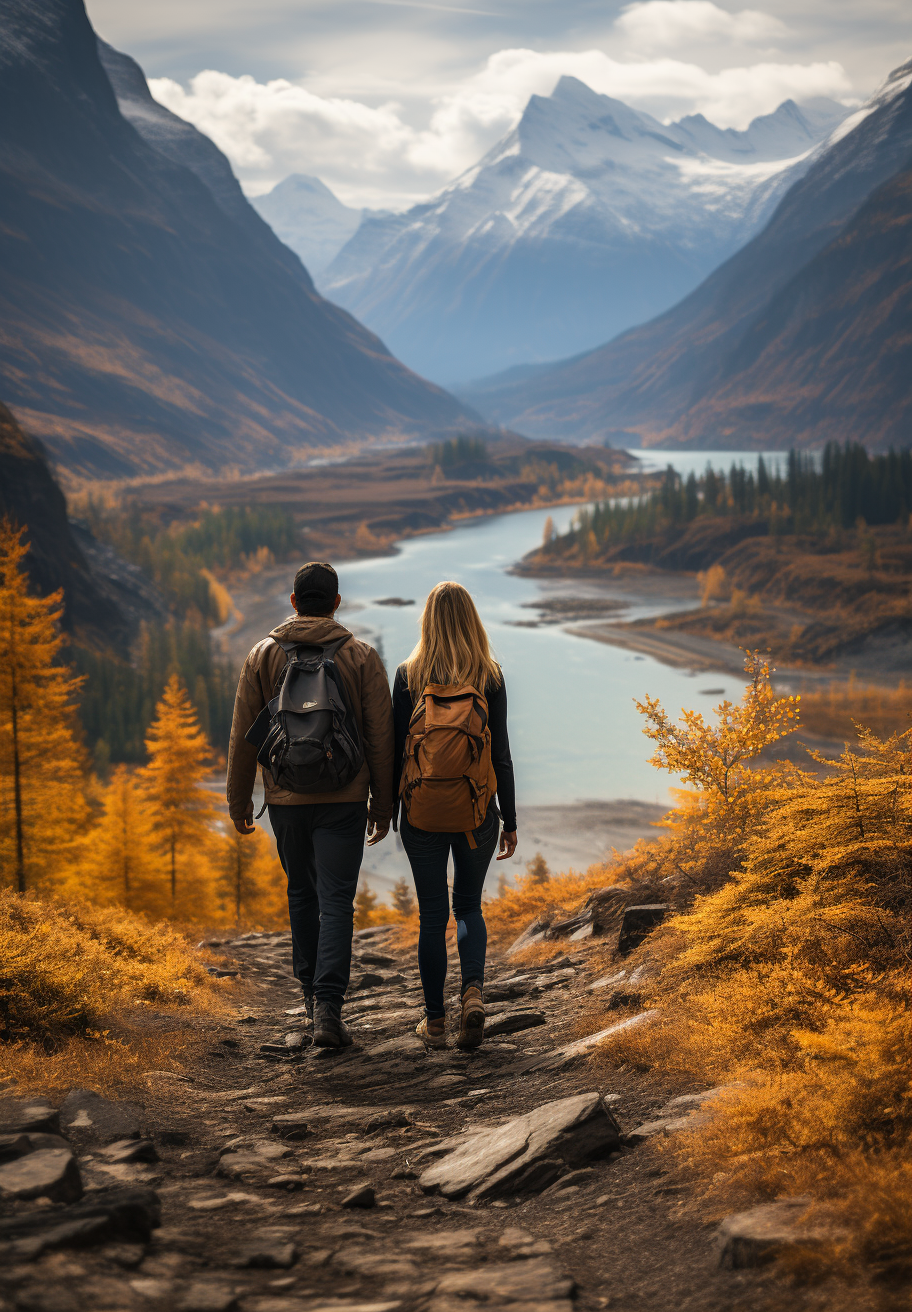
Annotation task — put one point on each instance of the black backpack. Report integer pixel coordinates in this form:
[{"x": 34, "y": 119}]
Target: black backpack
[{"x": 307, "y": 737}]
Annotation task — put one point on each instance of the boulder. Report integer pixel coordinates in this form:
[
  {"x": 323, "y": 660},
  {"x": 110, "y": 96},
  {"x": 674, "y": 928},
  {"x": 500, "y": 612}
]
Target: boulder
[
  {"x": 638, "y": 923},
  {"x": 511, "y": 1022},
  {"x": 107, "y": 1216},
  {"x": 88, "y": 1117},
  {"x": 572, "y": 1052},
  {"x": 364, "y": 1198},
  {"x": 763, "y": 1233},
  {"x": 535, "y": 1280},
  {"x": 130, "y": 1150},
  {"x": 202, "y": 1296},
  {"x": 534, "y": 933},
  {"x": 292, "y": 1125},
  {"x": 499, "y": 1160},
  {"x": 48, "y": 1173},
  {"x": 28, "y": 1115}
]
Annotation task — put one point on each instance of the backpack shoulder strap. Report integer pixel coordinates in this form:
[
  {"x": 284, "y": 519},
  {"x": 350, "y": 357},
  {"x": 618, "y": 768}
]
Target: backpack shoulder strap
[{"x": 329, "y": 649}]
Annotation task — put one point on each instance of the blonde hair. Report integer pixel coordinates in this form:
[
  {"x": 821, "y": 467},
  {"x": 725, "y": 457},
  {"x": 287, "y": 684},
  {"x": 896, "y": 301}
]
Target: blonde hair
[{"x": 453, "y": 647}]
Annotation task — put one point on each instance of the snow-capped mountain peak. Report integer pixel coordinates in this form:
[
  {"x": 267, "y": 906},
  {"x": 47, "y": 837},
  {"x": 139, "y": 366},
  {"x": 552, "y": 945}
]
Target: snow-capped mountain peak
[{"x": 586, "y": 218}]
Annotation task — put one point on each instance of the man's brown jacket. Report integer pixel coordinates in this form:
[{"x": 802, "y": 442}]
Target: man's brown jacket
[{"x": 367, "y": 684}]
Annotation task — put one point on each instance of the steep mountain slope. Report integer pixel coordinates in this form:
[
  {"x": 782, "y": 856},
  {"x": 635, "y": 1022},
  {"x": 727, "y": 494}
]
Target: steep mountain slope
[
  {"x": 147, "y": 318},
  {"x": 308, "y": 217},
  {"x": 30, "y": 497},
  {"x": 587, "y": 218},
  {"x": 674, "y": 379}
]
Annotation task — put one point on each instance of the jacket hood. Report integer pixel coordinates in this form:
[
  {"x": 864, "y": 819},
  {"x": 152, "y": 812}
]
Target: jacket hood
[{"x": 308, "y": 628}]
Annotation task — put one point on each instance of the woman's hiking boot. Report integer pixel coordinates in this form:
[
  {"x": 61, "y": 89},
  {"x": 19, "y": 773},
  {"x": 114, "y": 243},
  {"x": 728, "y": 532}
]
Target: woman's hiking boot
[
  {"x": 432, "y": 1032},
  {"x": 471, "y": 1025},
  {"x": 329, "y": 1029}
]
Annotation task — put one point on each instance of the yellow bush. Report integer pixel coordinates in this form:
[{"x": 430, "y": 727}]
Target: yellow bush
[{"x": 67, "y": 968}]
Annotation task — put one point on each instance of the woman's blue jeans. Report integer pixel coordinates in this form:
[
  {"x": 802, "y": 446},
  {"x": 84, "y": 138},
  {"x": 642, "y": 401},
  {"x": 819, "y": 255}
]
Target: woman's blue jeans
[{"x": 428, "y": 854}]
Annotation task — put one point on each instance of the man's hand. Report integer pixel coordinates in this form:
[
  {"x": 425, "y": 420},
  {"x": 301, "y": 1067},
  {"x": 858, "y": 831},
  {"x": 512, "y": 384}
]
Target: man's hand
[
  {"x": 245, "y": 825},
  {"x": 507, "y": 845},
  {"x": 377, "y": 830}
]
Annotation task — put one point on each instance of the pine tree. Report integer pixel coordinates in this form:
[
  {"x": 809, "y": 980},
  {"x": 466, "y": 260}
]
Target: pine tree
[
  {"x": 179, "y": 806},
  {"x": 251, "y": 880},
  {"x": 42, "y": 800},
  {"x": 365, "y": 906},
  {"x": 537, "y": 870},
  {"x": 122, "y": 862},
  {"x": 403, "y": 901}
]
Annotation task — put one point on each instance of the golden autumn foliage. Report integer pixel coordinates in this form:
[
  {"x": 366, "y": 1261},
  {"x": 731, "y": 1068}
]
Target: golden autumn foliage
[
  {"x": 178, "y": 805},
  {"x": 42, "y": 801},
  {"x": 784, "y": 973}
]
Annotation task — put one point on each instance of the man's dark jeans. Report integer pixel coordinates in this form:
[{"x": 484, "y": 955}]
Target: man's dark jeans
[
  {"x": 320, "y": 847},
  {"x": 428, "y": 854}
]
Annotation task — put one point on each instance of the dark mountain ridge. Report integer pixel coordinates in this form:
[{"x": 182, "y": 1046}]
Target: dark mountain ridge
[
  {"x": 31, "y": 498},
  {"x": 674, "y": 379},
  {"x": 148, "y": 317}
]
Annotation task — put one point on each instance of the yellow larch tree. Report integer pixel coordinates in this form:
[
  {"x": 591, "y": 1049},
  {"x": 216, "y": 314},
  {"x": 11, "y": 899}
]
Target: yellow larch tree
[
  {"x": 179, "y": 807},
  {"x": 123, "y": 862},
  {"x": 43, "y": 808},
  {"x": 251, "y": 881}
]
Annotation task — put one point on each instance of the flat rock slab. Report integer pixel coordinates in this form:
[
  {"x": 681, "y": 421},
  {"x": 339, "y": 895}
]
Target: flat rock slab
[
  {"x": 511, "y": 1022},
  {"x": 572, "y": 1052},
  {"x": 88, "y": 1117},
  {"x": 22, "y": 1116},
  {"x": 48, "y": 1173},
  {"x": 107, "y": 1216},
  {"x": 493, "y": 1162},
  {"x": 763, "y": 1233},
  {"x": 534, "y": 1280},
  {"x": 204, "y": 1297}
]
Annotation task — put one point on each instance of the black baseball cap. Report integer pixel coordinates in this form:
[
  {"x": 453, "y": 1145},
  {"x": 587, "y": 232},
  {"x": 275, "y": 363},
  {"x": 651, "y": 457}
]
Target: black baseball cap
[{"x": 316, "y": 587}]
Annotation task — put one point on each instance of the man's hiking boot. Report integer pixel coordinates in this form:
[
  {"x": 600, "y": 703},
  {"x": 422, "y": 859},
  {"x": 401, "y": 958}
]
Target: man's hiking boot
[
  {"x": 472, "y": 1021},
  {"x": 309, "y": 1013},
  {"x": 329, "y": 1029},
  {"x": 433, "y": 1032}
]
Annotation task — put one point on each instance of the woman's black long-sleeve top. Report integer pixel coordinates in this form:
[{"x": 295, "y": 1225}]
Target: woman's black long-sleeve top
[{"x": 496, "y": 697}]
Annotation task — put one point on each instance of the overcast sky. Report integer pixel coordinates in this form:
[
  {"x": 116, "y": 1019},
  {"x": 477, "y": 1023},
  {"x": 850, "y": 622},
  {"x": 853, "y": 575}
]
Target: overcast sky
[{"x": 387, "y": 100}]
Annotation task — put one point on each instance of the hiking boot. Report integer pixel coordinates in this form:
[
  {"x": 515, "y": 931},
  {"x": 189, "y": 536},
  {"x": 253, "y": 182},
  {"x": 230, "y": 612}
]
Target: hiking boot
[
  {"x": 433, "y": 1032},
  {"x": 309, "y": 1004},
  {"x": 329, "y": 1029},
  {"x": 472, "y": 1021}
]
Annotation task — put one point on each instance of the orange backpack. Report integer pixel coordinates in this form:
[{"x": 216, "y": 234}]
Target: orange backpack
[{"x": 448, "y": 780}]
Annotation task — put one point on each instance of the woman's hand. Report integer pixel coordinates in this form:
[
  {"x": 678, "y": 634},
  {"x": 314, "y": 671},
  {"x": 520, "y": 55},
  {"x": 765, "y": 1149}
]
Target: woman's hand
[{"x": 507, "y": 844}]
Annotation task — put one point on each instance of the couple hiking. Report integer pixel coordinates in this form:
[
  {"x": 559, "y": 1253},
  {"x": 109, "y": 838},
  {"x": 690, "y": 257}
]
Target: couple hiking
[{"x": 340, "y": 757}]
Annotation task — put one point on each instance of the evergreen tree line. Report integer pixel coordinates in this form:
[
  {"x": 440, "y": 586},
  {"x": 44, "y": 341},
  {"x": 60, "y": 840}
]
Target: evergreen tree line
[
  {"x": 117, "y": 699},
  {"x": 177, "y": 556},
  {"x": 846, "y": 486},
  {"x": 459, "y": 450}
]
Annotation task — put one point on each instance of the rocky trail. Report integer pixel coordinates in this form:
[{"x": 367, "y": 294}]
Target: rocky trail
[{"x": 274, "y": 1177}]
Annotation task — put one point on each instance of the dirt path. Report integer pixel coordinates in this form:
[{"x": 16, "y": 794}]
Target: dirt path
[{"x": 253, "y": 1207}]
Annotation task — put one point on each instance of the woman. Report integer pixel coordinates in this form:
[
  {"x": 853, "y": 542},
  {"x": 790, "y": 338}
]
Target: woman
[{"x": 453, "y": 656}]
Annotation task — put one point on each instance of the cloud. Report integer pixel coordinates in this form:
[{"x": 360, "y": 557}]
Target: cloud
[
  {"x": 392, "y": 154},
  {"x": 669, "y": 24}
]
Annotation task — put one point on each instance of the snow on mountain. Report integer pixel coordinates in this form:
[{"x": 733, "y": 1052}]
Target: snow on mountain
[
  {"x": 308, "y": 217},
  {"x": 587, "y": 218},
  {"x": 800, "y": 338}
]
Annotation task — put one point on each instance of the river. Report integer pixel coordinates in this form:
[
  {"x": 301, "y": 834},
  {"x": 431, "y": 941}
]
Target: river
[{"x": 575, "y": 732}]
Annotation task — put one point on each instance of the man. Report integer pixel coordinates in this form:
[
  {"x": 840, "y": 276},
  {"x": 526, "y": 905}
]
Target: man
[{"x": 320, "y": 836}]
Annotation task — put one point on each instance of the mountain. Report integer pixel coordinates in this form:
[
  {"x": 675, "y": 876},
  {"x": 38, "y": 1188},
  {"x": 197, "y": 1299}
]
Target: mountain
[
  {"x": 308, "y": 217},
  {"x": 148, "y": 316},
  {"x": 585, "y": 219},
  {"x": 800, "y": 337},
  {"x": 31, "y": 498}
]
